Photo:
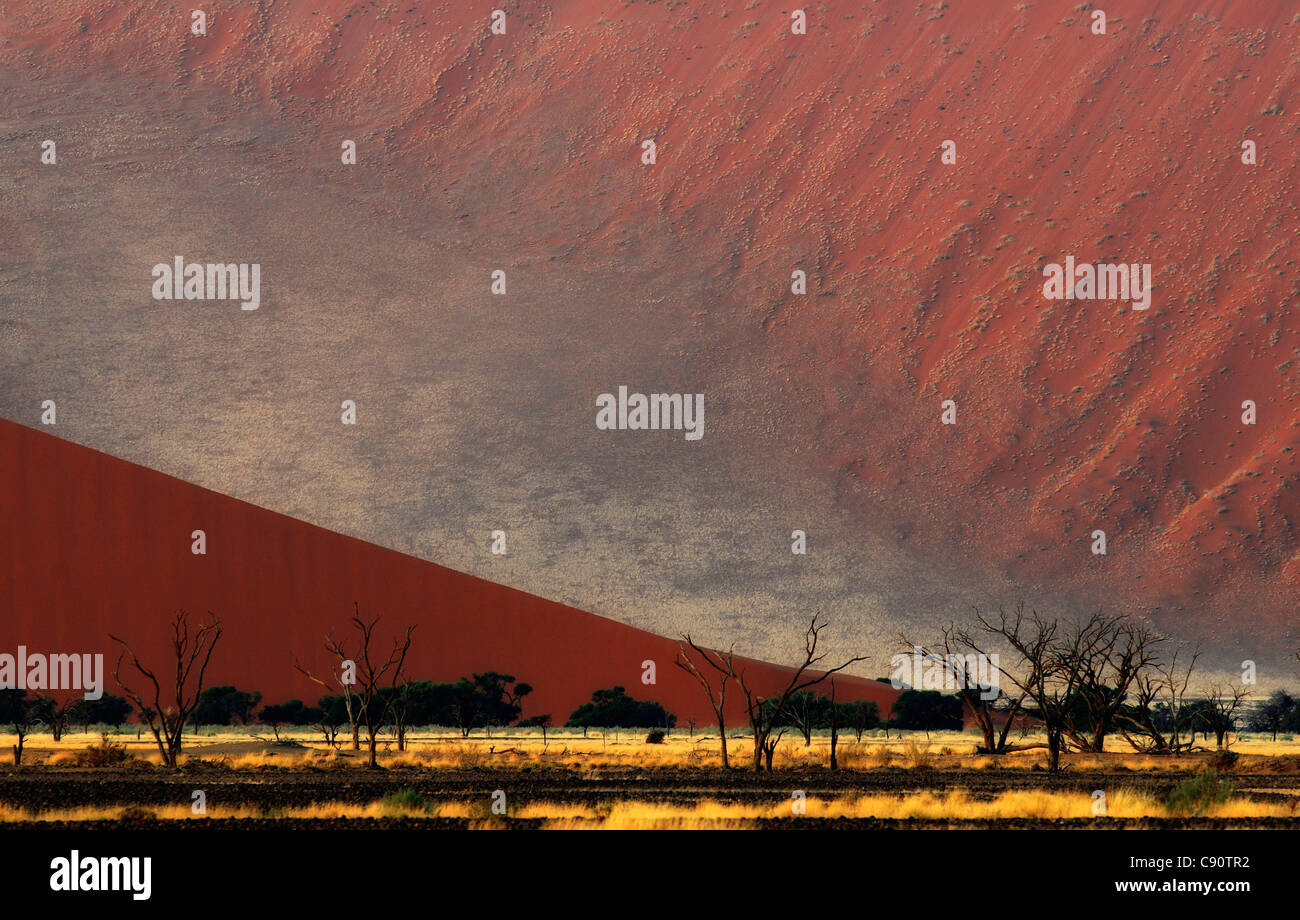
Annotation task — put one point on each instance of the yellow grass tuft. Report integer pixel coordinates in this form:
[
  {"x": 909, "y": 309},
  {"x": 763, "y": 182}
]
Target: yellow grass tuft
[{"x": 515, "y": 748}]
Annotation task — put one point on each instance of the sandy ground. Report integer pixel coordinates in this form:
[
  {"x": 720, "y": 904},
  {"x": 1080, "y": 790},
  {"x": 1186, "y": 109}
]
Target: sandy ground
[{"x": 623, "y": 782}]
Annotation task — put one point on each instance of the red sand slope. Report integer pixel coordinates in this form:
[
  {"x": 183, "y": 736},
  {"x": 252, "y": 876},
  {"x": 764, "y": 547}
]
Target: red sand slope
[
  {"x": 95, "y": 544},
  {"x": 822, "y": 152}
]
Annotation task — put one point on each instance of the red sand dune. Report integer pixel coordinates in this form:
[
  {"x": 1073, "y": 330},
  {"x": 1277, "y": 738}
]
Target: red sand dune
[
  {"x": 822, "y": 152},
  {"x": 100, "y": 545}
]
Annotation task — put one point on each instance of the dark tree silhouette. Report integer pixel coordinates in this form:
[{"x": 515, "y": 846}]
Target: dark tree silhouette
[
  {"x": 715, "y": 666},
  {"x": 363, "y": 675},
  {"x": 192, "y": 650},
  {"x": 765, "y": 713}
]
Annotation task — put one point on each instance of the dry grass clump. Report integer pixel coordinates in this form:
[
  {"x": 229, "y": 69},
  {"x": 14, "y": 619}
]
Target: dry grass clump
[
  {"x": 517, "y": 748},
  {"x": 918, "y": 757},
  {"x": 104, "y": 754},
  {"x": 953, "y": 805}
]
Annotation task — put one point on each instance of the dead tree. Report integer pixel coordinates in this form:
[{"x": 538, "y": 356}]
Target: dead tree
[
  {"x": 801, "y": 712},
  {"x": 720, "y": 665},
  {"x": 1162, "y": 684},
  {"x": 364, "y": 675},
  {"x": 768, "y": 747},
  {"x": 1106, "y": 654},
  {"x": 1033, "y": 672},
  {"x": 350, "y": 705},
  {"x": 166, "y": 720},
  {"x": 57, "y": 714},
  {"x": 328, "y": 729},
  {"x": 957, "y": 652},
  {"x": 1220, "y": 713},
  {"x": 765, "y": 713},
  {"x": 1079, "y": 677},
  {"x": 401, "y": 706}
]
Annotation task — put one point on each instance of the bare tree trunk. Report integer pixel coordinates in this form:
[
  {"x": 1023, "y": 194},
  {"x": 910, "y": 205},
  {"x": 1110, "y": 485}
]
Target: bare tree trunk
[
  {"x": 723, "y": 666},
  {"x": 835, "y": 734},
  {"x": 167, "y": 722},
  {"x": 981, "y": 713},
  {"x": 354, "y": 717}
]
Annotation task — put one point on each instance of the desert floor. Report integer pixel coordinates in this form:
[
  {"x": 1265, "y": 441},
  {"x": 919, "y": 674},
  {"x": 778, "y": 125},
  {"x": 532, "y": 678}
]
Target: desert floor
[{"x": 246, "y": 778}]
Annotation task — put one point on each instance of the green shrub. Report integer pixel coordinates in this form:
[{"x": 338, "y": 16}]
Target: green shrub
[
  {"x": 1197, "y": 795},
  {"x": 405, "y": 802},
  {"x": 613, "y": 708}
]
